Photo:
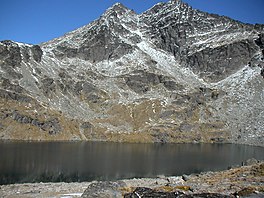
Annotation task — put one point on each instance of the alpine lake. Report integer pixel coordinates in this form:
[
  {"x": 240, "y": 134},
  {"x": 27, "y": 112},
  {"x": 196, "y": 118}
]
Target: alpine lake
[{"x": 22, "y": 162}]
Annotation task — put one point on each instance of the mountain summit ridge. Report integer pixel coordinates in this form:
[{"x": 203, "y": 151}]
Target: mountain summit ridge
[{"x": 169, "y": 74}]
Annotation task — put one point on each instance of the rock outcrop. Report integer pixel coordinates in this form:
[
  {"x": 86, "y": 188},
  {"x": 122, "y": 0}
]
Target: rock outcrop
[{"x": 170, "y": 74}]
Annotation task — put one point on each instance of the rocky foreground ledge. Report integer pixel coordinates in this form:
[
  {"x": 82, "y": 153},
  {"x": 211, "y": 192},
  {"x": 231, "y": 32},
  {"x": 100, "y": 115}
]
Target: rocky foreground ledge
[{"x": 244, "y": 181}]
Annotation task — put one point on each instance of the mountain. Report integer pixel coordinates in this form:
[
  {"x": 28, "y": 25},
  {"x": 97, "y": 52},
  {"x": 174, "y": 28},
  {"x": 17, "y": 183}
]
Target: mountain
[{"x": 170, "y": 74}]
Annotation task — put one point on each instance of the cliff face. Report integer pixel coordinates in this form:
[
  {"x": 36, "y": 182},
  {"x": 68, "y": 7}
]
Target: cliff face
[{"x": 170, "y": 74}]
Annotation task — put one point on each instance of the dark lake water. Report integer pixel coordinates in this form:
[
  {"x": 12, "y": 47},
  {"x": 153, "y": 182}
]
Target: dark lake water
[{"x": 87, "y": 161}]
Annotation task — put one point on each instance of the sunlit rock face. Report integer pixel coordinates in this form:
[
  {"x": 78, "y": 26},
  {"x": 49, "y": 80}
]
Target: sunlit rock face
[{"x": 170, "y": 74}]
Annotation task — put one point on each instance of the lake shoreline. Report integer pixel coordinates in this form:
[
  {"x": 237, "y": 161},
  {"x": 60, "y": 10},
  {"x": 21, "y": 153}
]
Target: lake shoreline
[
  {"x": 243, "y": 181},
  {"x": 123, "y": 142}
]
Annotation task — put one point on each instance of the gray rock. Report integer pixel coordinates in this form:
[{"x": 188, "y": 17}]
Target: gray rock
[
  {"x": 148, "y": 192},
  {"x": 36, "y": 53},
  {"x": 78, "y": 87},
  {"x": 102, "y": 46},
  {"x": 250, "y": 162},
  {"x": 48, "y": 86},
  {"x": 255, "y": 195},
  {"x": 167, "y": 114},
  {"x": 140, "y": 81},
  {"x": 21, "y": 118},
  {"x": 262, "y": 72},
  {"x": 11, "y": 58},
  {"x": 106, "y": 189},
  {"x": 260, "y": 41},
  {"x": 171, "y": 85},
  {"x": 6, "y": 84},
  {"x": 25, "y": 51},
  {"x": 186, "y": 177},
  {"x": 186, "y": 127},
  {"x": 218, "y": 140},
  {"x": 2, "y": 126},
  {"x": 86, "y": 125},
  {"x": 218, "y": 63},
  {"x": 10, "y": 71},
  {"x": 52, "y": 125},
  {"x": 63, "y": 51},
  {"x": 10, "y": 53},
  {"x": 14, "y": 96},
  {"x": 88, "y": 87}
]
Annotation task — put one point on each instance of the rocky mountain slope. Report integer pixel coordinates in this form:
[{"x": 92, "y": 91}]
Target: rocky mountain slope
[{"x": 170, "y": 74}]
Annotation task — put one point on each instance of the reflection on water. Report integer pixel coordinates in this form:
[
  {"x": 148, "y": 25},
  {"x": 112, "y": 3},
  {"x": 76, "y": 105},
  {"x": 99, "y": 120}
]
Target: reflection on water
[{"x": 86, "y": 161}]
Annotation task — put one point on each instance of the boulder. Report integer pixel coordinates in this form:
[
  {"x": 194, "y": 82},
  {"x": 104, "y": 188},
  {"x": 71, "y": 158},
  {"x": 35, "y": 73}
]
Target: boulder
[
  {"x": 106, "y": 189},
  {"x": 36, "y": 53}
]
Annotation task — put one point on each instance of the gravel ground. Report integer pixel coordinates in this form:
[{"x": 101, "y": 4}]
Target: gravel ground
[{"x": 54, "y": 190}]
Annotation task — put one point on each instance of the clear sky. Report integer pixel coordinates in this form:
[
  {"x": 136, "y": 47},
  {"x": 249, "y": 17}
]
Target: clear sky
[{"x": 36, "y": 21}]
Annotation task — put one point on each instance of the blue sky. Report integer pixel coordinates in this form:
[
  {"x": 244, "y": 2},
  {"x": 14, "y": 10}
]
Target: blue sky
[{"x": 36, "y": 21}]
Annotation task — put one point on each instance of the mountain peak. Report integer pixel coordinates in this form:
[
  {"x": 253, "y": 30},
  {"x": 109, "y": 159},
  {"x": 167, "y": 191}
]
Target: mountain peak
[
  {"x": 168, "y": 7},
  {"x": 178, "y": 3},
  {"x": 118, "y": 5},
  {"x": 116, "y": 9},
  {"x": 175, "y": 1}
]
